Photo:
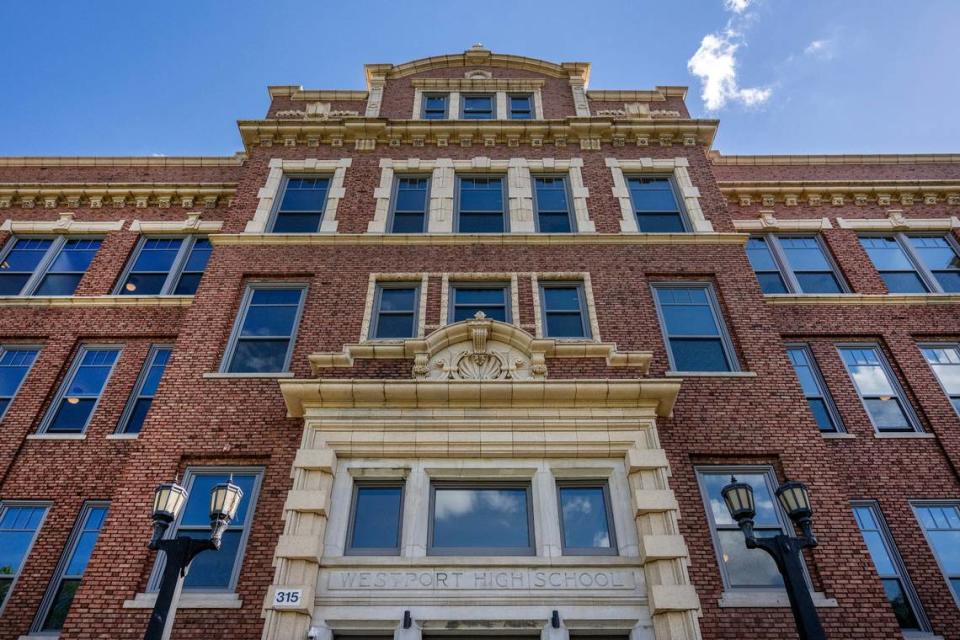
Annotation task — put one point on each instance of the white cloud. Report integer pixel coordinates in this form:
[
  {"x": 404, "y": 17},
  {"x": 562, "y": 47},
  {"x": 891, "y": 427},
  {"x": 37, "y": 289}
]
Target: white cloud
[
  {"x": 737, "y": 6},
  {"x": 822, "y": 49},
  {"x": 715, "y": 63}
]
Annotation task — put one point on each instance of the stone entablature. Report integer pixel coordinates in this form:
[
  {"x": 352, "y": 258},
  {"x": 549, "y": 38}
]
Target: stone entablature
[{"x": 114, "y": 194}]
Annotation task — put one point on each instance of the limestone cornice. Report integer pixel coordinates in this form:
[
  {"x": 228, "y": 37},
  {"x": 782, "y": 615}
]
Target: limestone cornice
[
  {"x": 841, "y": 192},
  {"x": 297, "y": 92},
  {"x": 122, "y": 161},
  {"x": 862, "y": 298},
  {"x": 95, "y": 301},
  {"x": 812, "y": 160},
  {"x": 477, "y": 84},
  {"x": 660, "y": 94},
  {"x": 387, "y": 239},
  {"x": 478, "y": 56},
  {"x": 114, "y": 194}
]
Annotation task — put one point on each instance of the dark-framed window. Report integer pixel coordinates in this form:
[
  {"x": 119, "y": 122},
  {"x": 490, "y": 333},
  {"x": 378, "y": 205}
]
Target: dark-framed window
[
  {"x": 63, "y": 587},
  {"x": 376, "y": 518},
  {"x": 435, "y": 106},
  {"x": 742, "y": 568},
  {"x": 944, "y": 359},
  {"x": 15, "y": 363},
  {"x": 214, "y": 571},
  {"x": 878, "y": 388},
  {"x": 793, "y": 264},
  {"x": 940, "y": 522},
  {"x": 551, "y": 199},
  {"x": 480, "y": 519},
  {"x": 409, "y": 204},
  {"x": 165, "y": 266},
  {"x": 32, "y": 266},
  {"x": 564, "y": 306},
  {"x": 695, "y": 335},
  {"x": 478, "y": 106},
  {"x": 79, "y": 394},
  {"x": 266, "y": 328},
  {"x": 396, "y": 309},
  {"x": 915, "y": 263},
  {"x": 481, "y": 204},
  {"x": 469, "y": 298},
  {"x": 586, "y": 518},
  {"x": 814, "y": 388},
  {"x": 301, "y": 202},
  {"x": 520, "y": 106},
  {"x": 655, "y": 203},
  {"x": 886, "y": 560},
  {"x": 20, "y": 523},
  {"x": 141, "y": 398}
]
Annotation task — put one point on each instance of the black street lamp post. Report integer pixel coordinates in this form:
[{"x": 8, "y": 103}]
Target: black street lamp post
[
  {"x": 785, "y": 550},
  {"x": 169, "y": 499}
]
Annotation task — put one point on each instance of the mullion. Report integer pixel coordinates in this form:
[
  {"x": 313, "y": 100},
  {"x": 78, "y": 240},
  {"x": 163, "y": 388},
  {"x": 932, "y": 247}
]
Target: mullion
[
  {"x": 38, "y": 268},
  {"x": 786, "y": 269},
  {"x": 927, "y": 274},
  {"x": 917, "y": 268},
  {"x": 170, "y": 280},
  {"x": 40, "y": 271},
  {"x": 81, "y": 244}
]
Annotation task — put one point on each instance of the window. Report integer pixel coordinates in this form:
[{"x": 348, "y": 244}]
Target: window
[
  {"x": 655, "y": 204},
  {"x": 409, "y": 214},
  {"x": 794, "y": 264},
  {"x": 814, "y": 390},
  {"x": 166, "y": 266},
  {"x": 19, "y": 525},
  {"x": 63, "y": 588},
  {"x": 477, "y": 107},
  {"x": 889, "y": 566},
  {"x": 375, "y": 519},
  {"x": 586, "y": 520},
  {"x": 146, "y": 387},
  {"x": 45, "y": 266},
  {"x": 564, "y": 310},
  {"x": 480, "y": 205},
  {"x": 302, "y": 201},
  {"x": 435, "y": 106},
  {"x": 467, "y": 299},
  {"x": 690, "y": 319},
  {"x": 480, "y": 519},
  {"x": 395, "y": 310},
  {"x": 15, "y": 363},
  {"x": 552, "y": 204},
  {"x": 78, "y": 396},
  {"x": 945, "y": 362},
  {"x": 915, "y": 264},
  {"x": 214, "y": 571},
  {"x": 739, "y": 566},
  {"x": 878, "y": 389},
  {"x": 266, "y": 329},
  {"x": 941, "y": 525},
  {"x": 521, "y": 106}
]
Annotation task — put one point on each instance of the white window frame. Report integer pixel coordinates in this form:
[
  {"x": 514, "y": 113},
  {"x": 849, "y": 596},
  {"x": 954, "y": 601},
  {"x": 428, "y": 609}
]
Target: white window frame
[
  {"x": 68, "y": 380},
  {"x": 4, "y": 348},
  {"x": 248, "y": 291},
  {"x": 270, "y": 194},
  {"x": 176, "y": 269},
  {"x": 688, "y": 194}
]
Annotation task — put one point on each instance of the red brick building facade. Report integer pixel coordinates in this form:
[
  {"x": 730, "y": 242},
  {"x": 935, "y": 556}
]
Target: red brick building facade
[{"x": 649, "y": 302}]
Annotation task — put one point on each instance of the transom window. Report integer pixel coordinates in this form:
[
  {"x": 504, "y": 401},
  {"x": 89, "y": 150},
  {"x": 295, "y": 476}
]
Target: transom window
[
  {"x": 469, "y": 298},
  {"x": 214, "y": 571},
  {"x": 19, "y": 525},
  {"x": 266, "y": 329},
  {"x": 395, "y": 310},
  {"x": 655, "y": 204},
  {"x": 945, "y": 362},
  {"x": 142, "y": 397},
  {"x": 480, "y": 207},
  {"x": 814, "y": 389},
  {"x": 435, "y": 106},
  {"x": 480, "y": 519},
  {"x": 552, "y": 204},
  {"x": 564, "y": 307},
  {"x": 695, "y": 336},
  {"x": 15, "y": 363},
  {"x": 166, "y": 266},
  {"x": 302, "y": 201},
  {"x": 409, "y": 213},
  {"x": 941, "y": 524},
  {"x": 915, "y": 263},
  {"x": 879, "y": 390},
  {"x": 477, "y": 107},
  {"x": 586, "y": 519},
  {"x": 793, "y": 264},
  {"x": 375, "y": 518},
  {"x": 45, "y": 266},
  {"x": 521, "y": 106},
  {"x": 80, "y": 393}
]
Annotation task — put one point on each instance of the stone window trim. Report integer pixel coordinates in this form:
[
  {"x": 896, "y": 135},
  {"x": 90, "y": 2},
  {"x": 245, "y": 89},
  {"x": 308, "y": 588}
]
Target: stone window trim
[
  {"x": 64, "y": 225},
  {"x": 192, "y": 224},
  {"x": 279, "y": 168},
  {"x": 677, "y": 168},
  {"x": 509, "y": 279},
  {"x": 38, "y": 504},
  {"x": 767, "y": 221},
  {"x": 896, "y": 221},
  {"x": 578, "y": 277},
  {"x": 499, "y": 89},
  {"x": 420, "y": 280}
]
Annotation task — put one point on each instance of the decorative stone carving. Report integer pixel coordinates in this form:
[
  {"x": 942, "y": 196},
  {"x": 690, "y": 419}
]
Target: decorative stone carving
[
  {"x": 478, "y": 358},
  {"x": 478, "y": 74},
  {"x": 897, "y": 219},
  {"x": 768, "y": 200}
]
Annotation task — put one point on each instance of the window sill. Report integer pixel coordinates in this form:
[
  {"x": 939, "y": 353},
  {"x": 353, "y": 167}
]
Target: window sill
[
  {"x": 921, "y": 635},
  {"x": 95, "y": 301},
  {"x": 243, "y": 376},
  {"x": 188, "y": 601},
  {"x": 123, "y": 436},
  {"x": 836, "y": 435},
  {"x": 748, "y": 599},
  {"x": 711, "y": 374},
  {"x": 56, "y": 436},
  {"x": 861, "y": 298},
  {"x": 903, "y": 434}
]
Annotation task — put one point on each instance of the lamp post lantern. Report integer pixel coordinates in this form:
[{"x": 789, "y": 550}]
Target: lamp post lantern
[
  {"x": 784, "y": 549},
  {"x": 169, "y": 499}
]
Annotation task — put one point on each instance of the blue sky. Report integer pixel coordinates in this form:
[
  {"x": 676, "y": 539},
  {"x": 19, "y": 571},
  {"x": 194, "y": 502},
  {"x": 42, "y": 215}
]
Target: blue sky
[{"x": 140, "y": 78}]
